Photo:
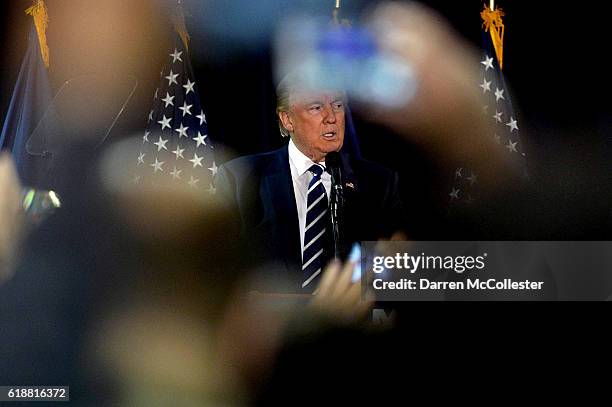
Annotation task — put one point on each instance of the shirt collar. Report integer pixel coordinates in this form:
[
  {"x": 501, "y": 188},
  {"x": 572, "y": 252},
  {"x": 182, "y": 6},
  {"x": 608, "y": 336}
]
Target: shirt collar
[{"x": 300, "y": 161}]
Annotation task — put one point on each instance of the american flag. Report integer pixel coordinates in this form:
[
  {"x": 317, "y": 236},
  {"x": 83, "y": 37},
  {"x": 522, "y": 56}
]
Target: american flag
[
  {"x": 497, "y": 107},
  {"x": 175, "y": 144}
]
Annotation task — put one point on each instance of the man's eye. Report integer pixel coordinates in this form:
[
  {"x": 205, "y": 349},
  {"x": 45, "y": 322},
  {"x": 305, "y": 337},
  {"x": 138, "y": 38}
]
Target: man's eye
[
  {"x": 338, "y": 105},
  {"x": 316, "y": 108}
]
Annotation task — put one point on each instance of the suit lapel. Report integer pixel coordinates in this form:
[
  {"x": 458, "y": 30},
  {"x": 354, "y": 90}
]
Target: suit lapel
[
  {"x": 349, "y": 180},
  {"x": 353, "y": 210},
  {"x": 279, "y": 191}
]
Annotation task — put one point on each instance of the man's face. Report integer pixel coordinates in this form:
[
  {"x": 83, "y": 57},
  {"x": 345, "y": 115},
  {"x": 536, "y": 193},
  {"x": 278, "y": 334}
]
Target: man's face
[{"x": 316, "y": 122}]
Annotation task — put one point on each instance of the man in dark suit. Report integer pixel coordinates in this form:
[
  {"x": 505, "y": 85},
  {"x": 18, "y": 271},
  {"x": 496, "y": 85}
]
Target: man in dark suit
[{"x": 282, "y": 197}]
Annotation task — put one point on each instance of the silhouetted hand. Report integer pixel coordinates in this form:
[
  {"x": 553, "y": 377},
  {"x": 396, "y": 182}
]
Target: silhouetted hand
[
  {"x": 338, "y": 297},
  {"x": 11, "y": 216}
]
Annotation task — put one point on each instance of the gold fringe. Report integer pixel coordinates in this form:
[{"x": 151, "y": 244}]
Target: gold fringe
[
  {"x": 181, "y": 26},
  {"x": 492, "y": 22},
  {"x": 41, "y": 20}
]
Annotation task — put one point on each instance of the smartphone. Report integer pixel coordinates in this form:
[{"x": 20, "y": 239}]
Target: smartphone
[
  {"x": 346, "y": 58},
  {"x": 355, "y": 257}
]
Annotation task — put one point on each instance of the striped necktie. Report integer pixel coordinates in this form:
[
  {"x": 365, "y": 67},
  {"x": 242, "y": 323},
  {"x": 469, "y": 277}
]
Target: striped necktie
[{"x": 313, "y": 256}]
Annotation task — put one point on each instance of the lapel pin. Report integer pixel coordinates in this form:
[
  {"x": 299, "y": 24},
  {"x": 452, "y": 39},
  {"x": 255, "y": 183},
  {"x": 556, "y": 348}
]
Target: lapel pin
[{"x": 350, "y": 185}]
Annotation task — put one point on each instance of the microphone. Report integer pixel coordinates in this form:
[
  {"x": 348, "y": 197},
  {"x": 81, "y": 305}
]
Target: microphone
[{"x": 333, "y": 165}]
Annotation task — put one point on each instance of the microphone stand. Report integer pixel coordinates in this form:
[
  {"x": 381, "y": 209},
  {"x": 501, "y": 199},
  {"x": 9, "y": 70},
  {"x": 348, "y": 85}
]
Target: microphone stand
[{"x": 336, "y": 210}]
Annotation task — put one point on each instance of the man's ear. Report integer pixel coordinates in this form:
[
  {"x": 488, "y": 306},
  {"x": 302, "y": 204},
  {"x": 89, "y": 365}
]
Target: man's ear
[{"x": 285, "y": 120}]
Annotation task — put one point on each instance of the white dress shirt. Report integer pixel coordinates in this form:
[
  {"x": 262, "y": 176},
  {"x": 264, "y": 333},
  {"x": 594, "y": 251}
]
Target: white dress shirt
[{"x": 301, "y": 177}]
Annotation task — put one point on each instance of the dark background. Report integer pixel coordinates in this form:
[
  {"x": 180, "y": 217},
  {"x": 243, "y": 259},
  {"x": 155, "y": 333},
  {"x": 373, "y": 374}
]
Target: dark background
[{"x": 553, "y": 62}]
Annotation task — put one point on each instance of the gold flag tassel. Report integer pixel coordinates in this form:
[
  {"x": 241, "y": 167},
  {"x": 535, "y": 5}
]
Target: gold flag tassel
[
  {"x": 38, "y": 11},
  {"x": 493, "y": 23},
  {"x": 181, "y": 26}
]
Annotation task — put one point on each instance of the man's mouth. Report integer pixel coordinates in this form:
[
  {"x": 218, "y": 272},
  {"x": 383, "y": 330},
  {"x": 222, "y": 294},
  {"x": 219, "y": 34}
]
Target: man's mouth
[{"x": 329, "y": 135}]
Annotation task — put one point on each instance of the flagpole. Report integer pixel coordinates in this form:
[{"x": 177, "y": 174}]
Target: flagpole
[
  {"x": 335, "y": 13},
  {"x": 492, "y": 5}
]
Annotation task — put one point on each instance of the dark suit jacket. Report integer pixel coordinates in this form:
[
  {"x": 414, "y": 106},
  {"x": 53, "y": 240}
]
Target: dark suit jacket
[{"x": 260, "y": 190}]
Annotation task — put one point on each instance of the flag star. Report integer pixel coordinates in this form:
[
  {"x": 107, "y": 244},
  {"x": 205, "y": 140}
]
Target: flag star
[
  {"x": 182, "y": 131},
  {"x": 458, "y": 173},
  {"x": 172, "y": 78},
  {"x": 214, "y": 169},
  {"x": 212, "y": 190},
  {"x": 176, "y": 174},
  {"x": 168, "y": 100},
  {"x": 472, "y": 178},
  {"x": 512, "y": 146},
  {"x": 498, "y": 116},
  {"x": 193, "y": 182},
  {"x": 499, "y": 94},
  {"x": 145, "y": 138},
  {"x": 165, "y": 122},
  {"x": 189, "y": 87},
  {"x": 488, "y": 63},
  {"x": 141, "y": 158},
  {"x": 512, "y": 124},
  {"x": 186, "y": 109},
  {"x": 161, "y": 143},
  {"x": 454, "y": 194},
  {"x": 151, "y": 115},
  {"x": 486, "y": 86},
  {"x": 200, "y": 139},
  {"x": 202, "y": 117},
  {"x": 176, "y": 56},
  {"x": 178, "y": 152},
  {"x": 136, "y": 179},
  {"x": 157, "y": 165},
  {"x": 197, "y": 161}
]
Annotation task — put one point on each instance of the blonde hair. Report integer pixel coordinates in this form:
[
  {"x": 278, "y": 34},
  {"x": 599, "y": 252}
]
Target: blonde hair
[{"x": 283, "y": 94}]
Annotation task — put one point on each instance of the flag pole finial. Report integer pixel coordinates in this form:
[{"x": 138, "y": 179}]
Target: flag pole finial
[
  {"x": 494, "y": 24},
  {"x": 38, "y": 11}
]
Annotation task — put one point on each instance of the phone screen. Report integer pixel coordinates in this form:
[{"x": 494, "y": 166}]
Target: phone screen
[{"x": 355, "y": 257}]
